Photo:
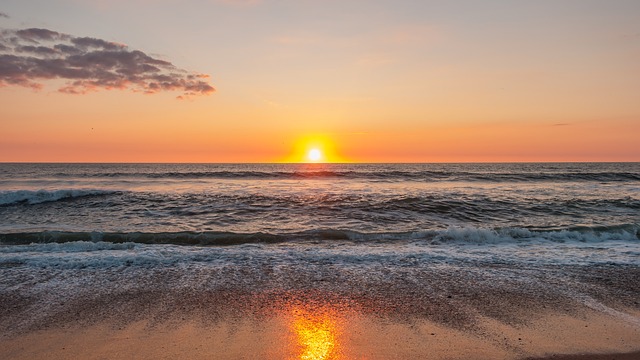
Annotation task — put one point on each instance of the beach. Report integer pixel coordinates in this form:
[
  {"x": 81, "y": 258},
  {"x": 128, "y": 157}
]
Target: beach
[
  {"x": 241, "y": 313},
  {"x": 363, "y": 339}
]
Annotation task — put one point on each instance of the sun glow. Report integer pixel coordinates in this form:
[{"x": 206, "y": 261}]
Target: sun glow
[
  {"x": 314, "y": 155},
  {"x": 315, "y": 148}
]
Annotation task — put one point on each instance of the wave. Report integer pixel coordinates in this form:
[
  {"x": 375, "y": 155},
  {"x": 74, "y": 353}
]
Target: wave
[
  {"x": 374, "y": 175},
  {"x": 465, "y": 235},
  {"x": 199, "y": 203},
  {"x": 41, "y": 196},
  {"x": 392, "y": 208}
]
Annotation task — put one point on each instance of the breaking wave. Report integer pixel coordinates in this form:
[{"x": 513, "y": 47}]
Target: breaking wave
[
  {"x": 41, "y": 196},
  {"x": 464, "y": 235}
]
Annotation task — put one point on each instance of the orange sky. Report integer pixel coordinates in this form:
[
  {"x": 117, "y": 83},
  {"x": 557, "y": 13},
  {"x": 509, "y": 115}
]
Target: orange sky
[{"x": 375, "y": 81}]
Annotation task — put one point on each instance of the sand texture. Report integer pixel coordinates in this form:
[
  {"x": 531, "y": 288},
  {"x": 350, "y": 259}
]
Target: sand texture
[{"x": 248, "y": 313}]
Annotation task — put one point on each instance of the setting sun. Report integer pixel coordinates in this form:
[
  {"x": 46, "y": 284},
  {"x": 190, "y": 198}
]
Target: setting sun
[
  {"x": 314, "y": 155},
  {"x": 314, "y": 148}
]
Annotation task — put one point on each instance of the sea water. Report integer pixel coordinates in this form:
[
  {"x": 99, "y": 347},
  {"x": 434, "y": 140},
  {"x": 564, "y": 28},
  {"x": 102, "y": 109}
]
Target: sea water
[{"x": 96, "y": 215}]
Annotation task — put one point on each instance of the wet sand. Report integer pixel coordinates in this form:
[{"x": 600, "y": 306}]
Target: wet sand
[
  {"x": 626, "y": 356},
  {"x": 237, "y": 313},
  {"x": 326, "y": 334}
]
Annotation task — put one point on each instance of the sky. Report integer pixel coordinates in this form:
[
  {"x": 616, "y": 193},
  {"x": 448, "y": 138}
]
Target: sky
[{"x": 360, "y": 81}]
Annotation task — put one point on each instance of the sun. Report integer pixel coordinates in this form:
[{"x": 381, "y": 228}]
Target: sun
[
  {"x": 314, "y": 155},
  {"x": 313, "y": 149}
]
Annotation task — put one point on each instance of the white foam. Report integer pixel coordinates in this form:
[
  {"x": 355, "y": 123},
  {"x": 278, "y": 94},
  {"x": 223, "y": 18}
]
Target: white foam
[
  {"x": 68, "y": 247},
  {"x": 520, "y": 235},
  {"x": 470, "y": 246}
]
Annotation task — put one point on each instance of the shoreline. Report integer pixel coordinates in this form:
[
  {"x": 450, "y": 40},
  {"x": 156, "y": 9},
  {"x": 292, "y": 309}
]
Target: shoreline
[{"x": 612, "y": 356}]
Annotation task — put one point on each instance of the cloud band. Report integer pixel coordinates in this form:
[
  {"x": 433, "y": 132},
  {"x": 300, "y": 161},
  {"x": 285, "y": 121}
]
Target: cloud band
[{"x": 29, "y": 57}]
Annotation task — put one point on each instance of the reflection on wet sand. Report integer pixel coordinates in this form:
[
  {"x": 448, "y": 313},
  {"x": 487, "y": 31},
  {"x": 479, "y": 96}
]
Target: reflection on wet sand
[
  {"x": 316, "y": 332},
  {"x": 304, "y": 329}
]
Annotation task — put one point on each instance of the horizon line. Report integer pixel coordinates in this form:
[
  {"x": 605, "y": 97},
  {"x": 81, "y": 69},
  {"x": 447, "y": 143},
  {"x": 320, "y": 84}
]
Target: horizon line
[{"x": 319, "y": 163}]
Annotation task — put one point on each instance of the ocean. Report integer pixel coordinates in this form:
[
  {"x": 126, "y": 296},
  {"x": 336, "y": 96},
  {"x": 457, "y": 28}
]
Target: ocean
[
  {"x": 562, "y": 213},
  {"x": 433, "y": 240}
]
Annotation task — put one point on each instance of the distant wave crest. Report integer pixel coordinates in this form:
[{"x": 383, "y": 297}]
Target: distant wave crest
[
  {"x": 395, "y": 175},
  {"x": 41, "y": 196}
]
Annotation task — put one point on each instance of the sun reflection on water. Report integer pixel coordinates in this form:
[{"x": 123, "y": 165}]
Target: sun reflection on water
[{"x": 316, "y": 333}]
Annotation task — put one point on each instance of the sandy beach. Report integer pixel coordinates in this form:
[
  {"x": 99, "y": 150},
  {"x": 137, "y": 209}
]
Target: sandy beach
[
  {"x": 298, "y": 333},
  {"x": 153, "y": 317}
]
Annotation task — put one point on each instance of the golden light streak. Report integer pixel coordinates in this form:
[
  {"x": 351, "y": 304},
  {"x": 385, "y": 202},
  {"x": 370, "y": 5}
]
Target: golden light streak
[{"x": 316, "y": 334}]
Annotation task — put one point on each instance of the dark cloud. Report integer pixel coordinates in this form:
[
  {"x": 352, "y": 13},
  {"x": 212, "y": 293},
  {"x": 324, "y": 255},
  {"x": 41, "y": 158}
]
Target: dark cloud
[
  {"x": 41, "y": 50},
  {"x": 3, "y": 15},
  {"x": 35, "y": 35},
  {"x": 87, "y": 42},
  {"x": 29, "y": 57}
]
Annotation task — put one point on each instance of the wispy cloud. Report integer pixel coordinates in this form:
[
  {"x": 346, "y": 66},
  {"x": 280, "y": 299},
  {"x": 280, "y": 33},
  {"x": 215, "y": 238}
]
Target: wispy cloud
[
  {"x": 29, "y": 57},
  {"x": 3, "y": 15}
]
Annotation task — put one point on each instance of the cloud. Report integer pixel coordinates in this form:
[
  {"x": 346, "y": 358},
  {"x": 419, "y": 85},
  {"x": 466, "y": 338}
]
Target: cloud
[
  {"x": 29, "y": 57},
  {"x": 3, "y": 15}
]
